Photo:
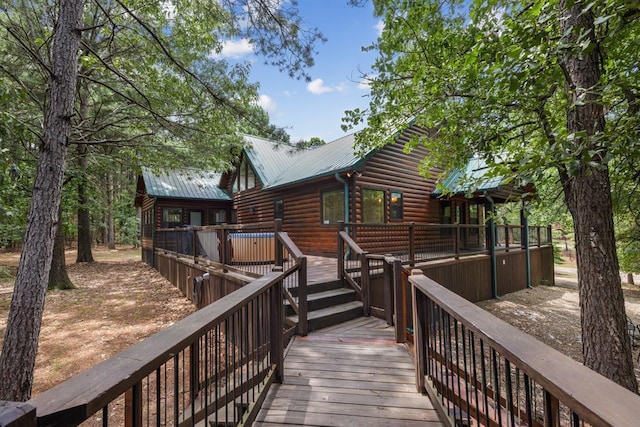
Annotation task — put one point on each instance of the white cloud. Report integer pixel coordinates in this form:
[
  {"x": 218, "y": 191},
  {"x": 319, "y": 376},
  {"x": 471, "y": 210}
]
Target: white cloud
[
  {"x": 317, "y": 87},
  {"x": 365, "y": 82},
  {"x": 235, "y": 49},
  {"x": 379, "y": 27},
  {"x": 268, "y": 104}
]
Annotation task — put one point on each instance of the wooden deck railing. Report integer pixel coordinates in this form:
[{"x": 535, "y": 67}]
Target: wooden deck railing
[
  {"x": 484, "y": 371},
  {"x": 253, "y": 249},
  {"x": 414, "y": 242},
  {"x": 215, "y": 365}
]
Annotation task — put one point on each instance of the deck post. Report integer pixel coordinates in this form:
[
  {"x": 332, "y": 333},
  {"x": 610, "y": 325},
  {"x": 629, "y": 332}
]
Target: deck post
[
  {"x": 303, "y": 322},
  {"x": 412, "y": 243},
  {"x": 279, "y": 261},
  {"x": 388, "y": 289},
  {"x": 194, "y": 245},
  {"x": 276, "y": 326},
  {"x": 507, "y": 242},
  {"x": 340, "y": 251},
  {"x": 398, "y": 298},
  {"x": 456, "y": 241},
  {"x": 419, "y": 320},
  {"x": 538, "y": 234},
  {"x": 365, "y": 284},
  {"x": 224, "y": 250},
  {"x": 525, "y": 242}
]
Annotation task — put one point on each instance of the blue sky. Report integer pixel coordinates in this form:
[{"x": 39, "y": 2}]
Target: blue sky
[{"x": 315, "y": 109}]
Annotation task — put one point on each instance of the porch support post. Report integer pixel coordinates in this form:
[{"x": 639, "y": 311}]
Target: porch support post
[
  {"x": 154, "y": 227},
  {"x": 525, "y": 239},
  {"x": 491, "y": 241}
]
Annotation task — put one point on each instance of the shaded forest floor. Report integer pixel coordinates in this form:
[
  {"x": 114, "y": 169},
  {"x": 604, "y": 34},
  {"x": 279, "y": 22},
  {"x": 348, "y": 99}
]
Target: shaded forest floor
[
  {"x": 552, "y": 313},
  {"x": 118, "y": 301}
]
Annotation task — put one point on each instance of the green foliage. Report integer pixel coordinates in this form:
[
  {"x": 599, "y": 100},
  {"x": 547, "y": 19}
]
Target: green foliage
[
  {"x": 488, "y": 76},
  {"x": 312, "y": 142},
  {"x": 152, "y": 91},
  {"x": 5, "y": 273}
]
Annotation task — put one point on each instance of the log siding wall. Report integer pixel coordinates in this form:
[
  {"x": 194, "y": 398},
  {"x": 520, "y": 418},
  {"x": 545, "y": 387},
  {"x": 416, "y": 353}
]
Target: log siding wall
[{"x": 390, "y": 169}]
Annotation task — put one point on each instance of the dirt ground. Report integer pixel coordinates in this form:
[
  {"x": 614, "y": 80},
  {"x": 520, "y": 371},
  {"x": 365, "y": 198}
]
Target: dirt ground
[
  {"x": 118, "y": 301},
  {"x": 552, "y": 313}
]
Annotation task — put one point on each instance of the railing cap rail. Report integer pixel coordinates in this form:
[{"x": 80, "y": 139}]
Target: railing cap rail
[
  {"x": 595, "y": 398},
  {"x": 85, "y": 393}
]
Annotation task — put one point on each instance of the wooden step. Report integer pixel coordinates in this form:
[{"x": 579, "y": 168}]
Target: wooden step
[
  {"x": 319, "y": 287},
  {"x": 333, "y": 315},
  {"x": 324, "y": 299}
]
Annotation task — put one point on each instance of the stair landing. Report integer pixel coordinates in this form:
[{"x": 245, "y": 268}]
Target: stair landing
[{"x": 349, "y": 374}]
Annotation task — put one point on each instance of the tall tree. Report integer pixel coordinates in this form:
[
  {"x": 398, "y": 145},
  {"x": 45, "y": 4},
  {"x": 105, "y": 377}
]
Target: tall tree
[
  {"x": 185, "y": 100},
  {"x": 528, "y": 85},
  {"x": 27, "y": 304}
]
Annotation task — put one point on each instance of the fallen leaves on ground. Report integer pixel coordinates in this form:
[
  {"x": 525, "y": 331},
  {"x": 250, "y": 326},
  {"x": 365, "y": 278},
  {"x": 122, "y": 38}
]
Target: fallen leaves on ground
[{"x": 118, "y": 302}]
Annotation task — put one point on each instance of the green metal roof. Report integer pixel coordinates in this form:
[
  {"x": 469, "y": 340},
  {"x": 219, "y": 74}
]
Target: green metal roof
[
  {"x": 184, "y": 184},
  {"x": 278, "y": 164},
  {"x": 473, "y": 176}
]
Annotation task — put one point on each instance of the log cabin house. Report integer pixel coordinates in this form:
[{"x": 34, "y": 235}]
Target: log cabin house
[
  {"x": 311, "y": 190},
  {"x": 176, "y": 199}
]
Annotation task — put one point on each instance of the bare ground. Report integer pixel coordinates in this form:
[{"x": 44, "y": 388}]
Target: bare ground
[
  {"x": 552, "y": 313},
  {"x": 118, "y": 302}
]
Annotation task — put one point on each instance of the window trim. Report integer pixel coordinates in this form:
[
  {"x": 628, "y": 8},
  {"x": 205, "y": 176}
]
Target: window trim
[
  {"x": 322, "y": 207},
  {"x": 166, "y": 223},
  {"x": 384, "y": 204},
  {"x": 391, "y": 217},
  {"x": 278, "y": 213}
]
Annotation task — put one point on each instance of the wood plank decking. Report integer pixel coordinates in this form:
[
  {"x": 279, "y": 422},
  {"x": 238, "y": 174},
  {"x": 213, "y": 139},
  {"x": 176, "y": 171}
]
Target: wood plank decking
[{"x": 348, "y": 375}]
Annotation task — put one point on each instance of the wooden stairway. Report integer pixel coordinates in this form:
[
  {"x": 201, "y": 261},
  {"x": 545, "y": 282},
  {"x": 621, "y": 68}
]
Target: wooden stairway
[{"x": 329, "y": 303}]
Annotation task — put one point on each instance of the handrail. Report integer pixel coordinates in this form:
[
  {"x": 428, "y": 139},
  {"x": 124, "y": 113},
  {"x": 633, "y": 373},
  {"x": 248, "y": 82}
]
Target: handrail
[
  {"x": 258, "y": 257},
  {"x": 185, "y": 342},
  {"x": 485, "y": 370},
  {"x": 298, "y": 304},
  {"x": 360, "y": 265},
  {"x": 422, "y": 242}
]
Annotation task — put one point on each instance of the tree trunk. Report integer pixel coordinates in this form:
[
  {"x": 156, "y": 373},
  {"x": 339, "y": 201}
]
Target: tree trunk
[
  {"x": 25, "y": 312},
  {"x": 58, "y": 276},
  {"x": 111, "y": 228},
  {"x": 606, "y": 346},
  {"x": 84, "y": 216}
]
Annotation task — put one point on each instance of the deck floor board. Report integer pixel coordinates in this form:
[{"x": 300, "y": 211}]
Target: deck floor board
[{"x": 349, "y": 374}]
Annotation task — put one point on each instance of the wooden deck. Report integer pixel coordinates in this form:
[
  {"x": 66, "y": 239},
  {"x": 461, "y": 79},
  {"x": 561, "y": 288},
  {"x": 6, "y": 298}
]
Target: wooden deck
[
  {"x": 321, "y": 269},
  {"x": 348, "y": 375}
]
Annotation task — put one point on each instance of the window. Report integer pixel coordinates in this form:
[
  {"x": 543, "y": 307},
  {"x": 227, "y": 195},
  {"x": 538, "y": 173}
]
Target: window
[
  {"x": 278, "y": 209},
  {"x": 395, "y": 208},
  {"x": 445, "y": 218},
  {"x": 332, "y": 207},
  {"x": 217, "y": 216},
  {"x": 474, "y": 214},
  {"x": 195, "y": 218},
  {"x": 372, "y": 206},
  {"x": 445, "y": 213},
  {"x": 171, "y": 217},
  {"x": 245, "y": 178},
  {"x": 147, "y": 223}
]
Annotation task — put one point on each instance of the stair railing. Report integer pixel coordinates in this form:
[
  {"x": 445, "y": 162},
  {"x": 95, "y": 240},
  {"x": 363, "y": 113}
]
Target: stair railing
[
  {"x": 294, "y": 285},
  {"x": 353, "y": 268}
]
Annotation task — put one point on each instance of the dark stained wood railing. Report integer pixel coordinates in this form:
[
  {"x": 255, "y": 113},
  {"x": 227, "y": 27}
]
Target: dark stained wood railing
[
  {"x": 484, "y": 371},
  {"x": 252, "y": 249},
  {"x": 414, "y": 243},
  {"x": 352, "y": 267},
  {"x": 215, "y": 365}
]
